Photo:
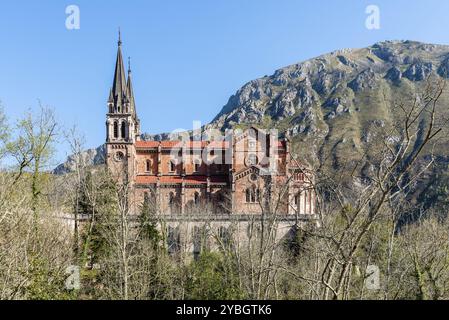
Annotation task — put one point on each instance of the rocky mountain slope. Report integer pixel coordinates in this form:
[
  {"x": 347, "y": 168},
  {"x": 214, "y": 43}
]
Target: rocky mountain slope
[
  {"x": 331, "y": 104},
  {"x": 89, "y": 157}
]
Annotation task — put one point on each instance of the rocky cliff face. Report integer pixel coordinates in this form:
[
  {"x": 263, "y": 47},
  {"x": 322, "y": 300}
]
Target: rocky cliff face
[
  {"x": 333, "y": 102},
  {"x": 330, "y": 104},
  {"x": 89, "y": 157},
  {"x": 329, "y": 85}
]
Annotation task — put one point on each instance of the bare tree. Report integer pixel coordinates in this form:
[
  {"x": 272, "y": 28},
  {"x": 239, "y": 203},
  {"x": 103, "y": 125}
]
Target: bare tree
[{"x": 378, "y": 181}]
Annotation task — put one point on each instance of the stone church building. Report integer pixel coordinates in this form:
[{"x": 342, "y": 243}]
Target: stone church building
[{"x": 241, "y": 173}]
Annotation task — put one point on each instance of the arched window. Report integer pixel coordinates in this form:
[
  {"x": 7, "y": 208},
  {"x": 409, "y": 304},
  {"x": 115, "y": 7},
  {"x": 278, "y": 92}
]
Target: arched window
[
  {"x": 196, "y": 198},
  {"x": 298, "y": 202},
  {"x": 306, "y": 198},
  {"x": 171, "y": 200},
  {"x": 173, "y": 240},
  {"x": 148, "y": 165},
  {"x": 253, "y": 195},
  {"x": 221, "y": 232},
  {"x": 146, "y": 198},
  {"x": 197, "y": 242},
  {"x": 224, "y": 236},
  {"x": 172, "y": 166},
  {"x": 197, "y": 165},
  {"x": 257, "y": 195},
  {"x": 115, "y": 129},
  {"x": 123, "y": 130}
]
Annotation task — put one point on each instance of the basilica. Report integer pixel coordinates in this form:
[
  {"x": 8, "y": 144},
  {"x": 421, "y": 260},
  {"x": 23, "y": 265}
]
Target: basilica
[{"x": 243, "y": 173}]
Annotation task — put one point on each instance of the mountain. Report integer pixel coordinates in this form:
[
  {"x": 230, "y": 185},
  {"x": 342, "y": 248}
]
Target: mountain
[
  {"x": 331, "y": 105},
  {"x": 89, "y": 157}
]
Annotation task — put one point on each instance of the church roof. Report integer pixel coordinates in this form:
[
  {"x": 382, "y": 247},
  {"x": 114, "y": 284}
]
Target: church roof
[
  {"x": 169, "y": 144},
  {"x": 179, "y": 179}
]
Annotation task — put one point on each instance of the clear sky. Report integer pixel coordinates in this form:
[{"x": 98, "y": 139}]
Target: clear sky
[{"x": 188, "y": 57}]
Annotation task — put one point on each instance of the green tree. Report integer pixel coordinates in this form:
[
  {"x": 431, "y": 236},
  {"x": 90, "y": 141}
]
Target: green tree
[{"x": 212, "y": 277}]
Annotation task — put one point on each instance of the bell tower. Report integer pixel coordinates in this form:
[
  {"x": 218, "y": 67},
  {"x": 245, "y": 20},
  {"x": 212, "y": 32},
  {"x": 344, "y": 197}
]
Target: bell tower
[{"x": 122, "y": 123}]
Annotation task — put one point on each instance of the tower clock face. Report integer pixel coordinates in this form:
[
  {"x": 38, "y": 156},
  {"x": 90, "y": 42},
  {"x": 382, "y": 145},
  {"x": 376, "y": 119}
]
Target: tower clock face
[{"x": 119, "y": 156}]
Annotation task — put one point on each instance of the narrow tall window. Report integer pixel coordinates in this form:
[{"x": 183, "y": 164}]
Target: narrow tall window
[
  {"x": 123, "y": 130},
  {"x": 221, "y": 232},
  {"x": 173, "y": 240},
  {"x": 298, "y": 202},
  {"x": 146, "y": 198},
  {"x": 196, "y": 198},
  {"x": 115, "y": 129},
  {"x": 267, "y": 146},
  {"x": 171, "y": 201},
  {"x": 197, "y": 166},
  {"x": 306, "y": 197},
  {"x": 253, "y": 195},
  {"x": 197, "y": 242},
  {"x": 224, "y": 236},
  {"x": 172, "y": 166},
  {"x": 148, "y": 166}
]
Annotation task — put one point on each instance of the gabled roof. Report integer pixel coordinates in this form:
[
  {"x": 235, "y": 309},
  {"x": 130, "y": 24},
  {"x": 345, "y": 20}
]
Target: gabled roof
[{"x": 246, "y": 171}]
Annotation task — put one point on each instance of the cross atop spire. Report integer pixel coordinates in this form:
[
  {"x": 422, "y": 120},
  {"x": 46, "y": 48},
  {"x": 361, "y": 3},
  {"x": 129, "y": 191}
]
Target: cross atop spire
[
  {"x": 119, "y": 37},
  {"x": 129, "y": 64}
]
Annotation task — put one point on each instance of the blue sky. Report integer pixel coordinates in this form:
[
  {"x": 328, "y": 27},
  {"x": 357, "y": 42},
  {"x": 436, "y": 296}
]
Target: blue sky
[{"x": 188, "y": 57}]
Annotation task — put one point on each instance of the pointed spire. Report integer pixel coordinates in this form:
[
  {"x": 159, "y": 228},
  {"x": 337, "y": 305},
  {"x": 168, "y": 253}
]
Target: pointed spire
[
  {"x": 111, "y": 97},
  {"x": 131, "y": 90},
  {"x": 119, "y": 85}
]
